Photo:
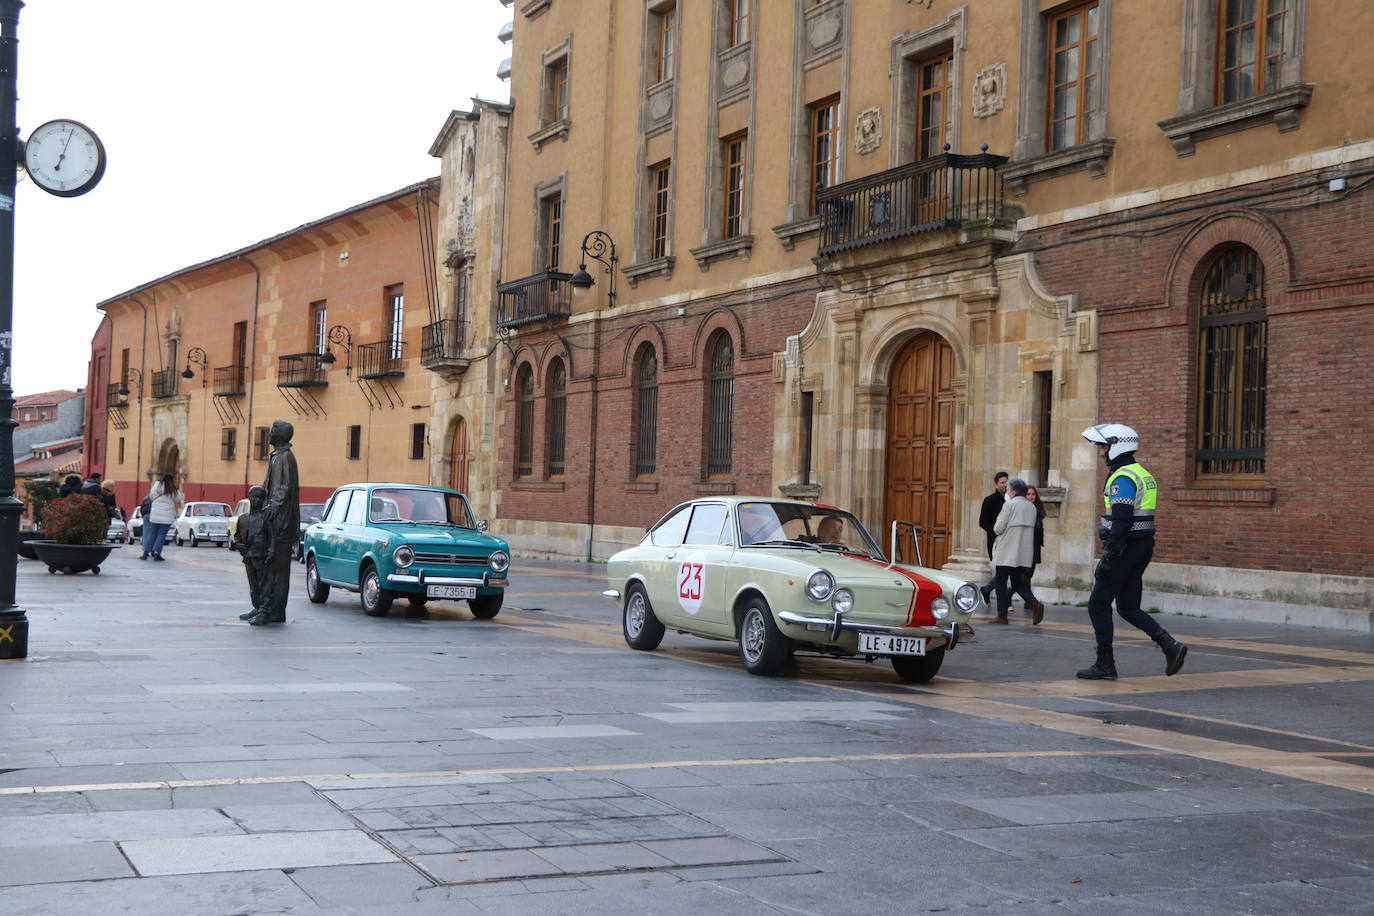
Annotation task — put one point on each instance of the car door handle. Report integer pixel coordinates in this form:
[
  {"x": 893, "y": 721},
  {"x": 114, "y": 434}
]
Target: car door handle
[{"x": 671, "y": 554}]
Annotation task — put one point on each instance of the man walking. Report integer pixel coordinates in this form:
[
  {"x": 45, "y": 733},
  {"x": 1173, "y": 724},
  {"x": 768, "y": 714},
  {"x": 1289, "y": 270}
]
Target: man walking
[
  {"x": 1128, "y": 542},
  {"x": 987, "y": 518}
]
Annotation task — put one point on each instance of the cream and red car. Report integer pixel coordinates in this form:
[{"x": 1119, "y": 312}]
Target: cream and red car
[{"x": 781, "y": 576}]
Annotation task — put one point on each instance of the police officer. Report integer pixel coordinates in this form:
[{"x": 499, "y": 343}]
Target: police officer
[{"x": 1128, "y": 542}]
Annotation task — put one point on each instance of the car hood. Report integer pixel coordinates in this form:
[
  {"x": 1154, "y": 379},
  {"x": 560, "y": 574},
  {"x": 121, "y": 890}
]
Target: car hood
[{"x": 466, "y": 538}]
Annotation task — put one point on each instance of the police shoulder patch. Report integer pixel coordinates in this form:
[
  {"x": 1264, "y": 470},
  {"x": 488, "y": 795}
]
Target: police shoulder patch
[{"x": 1116, "y": 488}]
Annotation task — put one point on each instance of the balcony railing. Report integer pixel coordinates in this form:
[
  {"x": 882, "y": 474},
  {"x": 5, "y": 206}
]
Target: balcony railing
[
  {"x": 301, "y": 370},
  {"x": 541, "y": 297},
  {"x": 380, "y": 359},
  {"x": 944, "y": 190},
  {"x": 113, "y": 397},
  {"x": 230, "y": 381},
  {"x": 164, "y": 383},
  {"x": 443, "y": 340}
]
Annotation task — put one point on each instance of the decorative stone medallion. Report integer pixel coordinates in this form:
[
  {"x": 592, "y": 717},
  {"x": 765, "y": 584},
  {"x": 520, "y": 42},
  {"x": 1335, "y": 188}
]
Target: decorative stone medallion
[
  {"x": 868, "y": 130},
  {"x": 990, "y": 90},
  {"x": 823, "y": 29}
]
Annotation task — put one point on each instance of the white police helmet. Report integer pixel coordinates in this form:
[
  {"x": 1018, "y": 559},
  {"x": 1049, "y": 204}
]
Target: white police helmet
[{"x": 1118, "y": 438}]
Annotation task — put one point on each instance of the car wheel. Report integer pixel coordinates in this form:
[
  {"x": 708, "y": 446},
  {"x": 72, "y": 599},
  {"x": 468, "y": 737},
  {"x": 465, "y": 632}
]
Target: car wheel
[
  {"x": 194, "y": 542},
  {"x": 917, "y": 669},
  {"x": 179, "y": 541},
  {"x": 485, "y": 607},
  {"x": 640, "y": 625},
  {"x": 762, "y": 647},
  {"x": 316, "y": 590},
  {"x": 417, "y": 600},
  {"x": 376, "y": 600}
]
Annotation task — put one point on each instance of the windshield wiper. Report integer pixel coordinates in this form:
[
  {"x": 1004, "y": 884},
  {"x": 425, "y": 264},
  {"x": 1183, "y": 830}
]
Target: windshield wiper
[{"x": 785, "y": 543}]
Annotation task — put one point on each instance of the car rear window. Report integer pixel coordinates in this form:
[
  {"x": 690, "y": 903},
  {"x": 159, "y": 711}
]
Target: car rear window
[
  {"x": 210, "y": 509},
  {"x": 707, "y": 521}
]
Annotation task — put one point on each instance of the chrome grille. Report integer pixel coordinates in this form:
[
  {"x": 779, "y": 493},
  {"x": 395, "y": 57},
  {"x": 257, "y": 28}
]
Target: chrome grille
[{"x": 452, "y": 559}]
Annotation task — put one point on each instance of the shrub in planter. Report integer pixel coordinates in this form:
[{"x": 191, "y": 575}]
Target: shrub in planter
[
  {"x": 40, "y": 493},
  {"x": 76, "y": 520}
]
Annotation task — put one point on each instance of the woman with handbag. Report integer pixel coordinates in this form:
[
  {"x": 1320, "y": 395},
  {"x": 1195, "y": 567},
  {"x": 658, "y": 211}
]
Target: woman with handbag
[{"x": 163, "y": 504}]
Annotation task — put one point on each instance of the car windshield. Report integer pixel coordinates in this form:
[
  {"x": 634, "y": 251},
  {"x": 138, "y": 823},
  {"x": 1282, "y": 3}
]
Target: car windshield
[
  {"x": 215, "y": 509},
  {"x": 311, "y": 512},
  {"x": 768, "y": 524},
  {"x": 434, "y": 507}
]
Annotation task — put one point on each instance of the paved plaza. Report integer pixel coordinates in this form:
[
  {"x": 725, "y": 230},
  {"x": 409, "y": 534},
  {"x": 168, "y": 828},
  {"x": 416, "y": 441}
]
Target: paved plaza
[{"x": 159, "y": 756}]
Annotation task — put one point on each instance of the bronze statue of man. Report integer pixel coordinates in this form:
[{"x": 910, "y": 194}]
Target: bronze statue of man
[{"x": 283, "y": 511}]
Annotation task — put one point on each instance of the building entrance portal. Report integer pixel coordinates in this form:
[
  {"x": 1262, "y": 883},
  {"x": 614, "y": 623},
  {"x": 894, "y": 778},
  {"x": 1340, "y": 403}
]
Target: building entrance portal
[
  {"x": 458, "y": 456},
  {"x": 920, "y": 446}
]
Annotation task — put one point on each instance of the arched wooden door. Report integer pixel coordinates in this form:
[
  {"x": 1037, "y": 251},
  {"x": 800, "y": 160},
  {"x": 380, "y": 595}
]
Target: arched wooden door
[
  {"x": 920, "y": 446},
  {"x": 458, "y": 456}
]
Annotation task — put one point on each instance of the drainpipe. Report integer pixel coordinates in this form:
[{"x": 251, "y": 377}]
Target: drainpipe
[
  {"x": 142, "y": 380},
  {"x": 252, "y": 364}
]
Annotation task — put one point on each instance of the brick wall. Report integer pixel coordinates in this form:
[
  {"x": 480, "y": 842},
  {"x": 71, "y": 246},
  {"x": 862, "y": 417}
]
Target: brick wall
[
  {"x": 758, "y": 324},
  {"x": 1142, "y": 274}
]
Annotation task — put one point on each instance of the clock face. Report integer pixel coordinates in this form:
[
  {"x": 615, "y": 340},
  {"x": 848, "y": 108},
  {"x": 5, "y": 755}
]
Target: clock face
[{"x": 64, "y": 158}]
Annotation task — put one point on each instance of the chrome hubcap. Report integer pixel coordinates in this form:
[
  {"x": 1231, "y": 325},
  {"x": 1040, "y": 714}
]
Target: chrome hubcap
[
  {"x": 312, "y": 577},
  {"x": 370, "y": 589},
  {"x": 753, "y": 635},
  {"x": 634, "y": 615}
]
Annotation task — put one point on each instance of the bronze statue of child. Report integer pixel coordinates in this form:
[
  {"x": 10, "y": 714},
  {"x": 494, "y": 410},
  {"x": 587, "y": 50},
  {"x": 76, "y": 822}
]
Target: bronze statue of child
[{"x": 252, "y": 541}]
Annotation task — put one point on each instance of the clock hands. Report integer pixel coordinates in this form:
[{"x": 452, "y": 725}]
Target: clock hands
[{"x": 63, "y": 155}]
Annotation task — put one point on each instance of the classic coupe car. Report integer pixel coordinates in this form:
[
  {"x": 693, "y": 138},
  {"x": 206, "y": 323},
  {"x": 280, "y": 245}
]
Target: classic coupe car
[
  {"x": 781, "y": 576},
  {"x": 394, "y": 540},
  {"x": 200, "y": 522}
]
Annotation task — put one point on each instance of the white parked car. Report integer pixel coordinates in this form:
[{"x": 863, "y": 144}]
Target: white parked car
[
  {"x": 202, "y": 521},
  {"x": 133, "y": 528},
  {"x": 117, "y": 530}
]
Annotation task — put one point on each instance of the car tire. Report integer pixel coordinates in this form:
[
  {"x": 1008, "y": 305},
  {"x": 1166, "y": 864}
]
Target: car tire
[
  {"x": 485, "y": 607},
  {"x": 641, "y": 626},
  {"x": 762, "y": 647},
  {"x": 417, "y": 601},
  {"x": 178, "y": 540},
  {"x": 375, "y": 599},
  {"x": 315, "y": 590},
  {"x": 917, "y": 669},
  {"x": 194, "y": 542}
]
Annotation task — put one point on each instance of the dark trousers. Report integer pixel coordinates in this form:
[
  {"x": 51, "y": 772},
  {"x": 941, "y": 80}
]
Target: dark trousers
[
  {"x": 1019, "y": 577},
  {"x": 1122, "y": 585},
  {"x": 256, "y": 570},
  {"x": 277, "y": 581}
]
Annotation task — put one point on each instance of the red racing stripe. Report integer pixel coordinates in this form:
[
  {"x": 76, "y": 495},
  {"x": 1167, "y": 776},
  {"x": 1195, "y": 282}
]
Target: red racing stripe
[{"x": 923, "y": 594}]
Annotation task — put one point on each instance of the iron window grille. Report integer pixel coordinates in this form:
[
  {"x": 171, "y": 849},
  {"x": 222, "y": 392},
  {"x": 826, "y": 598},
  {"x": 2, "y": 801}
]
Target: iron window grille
[
  {"x": 557, "y": 418},
  {"x": 524, "y": 454},
  {"x": 646, "y": 414},
  {"x": 1233, "y": 356},
  {"x": 721, "y": 407}
]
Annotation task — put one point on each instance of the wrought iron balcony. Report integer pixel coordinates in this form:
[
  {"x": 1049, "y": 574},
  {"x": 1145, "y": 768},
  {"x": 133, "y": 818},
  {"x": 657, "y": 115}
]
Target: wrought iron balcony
[
  {"x": 381, "y": 359},
  {"x": 113, "y": 396},
  {"x": 230, "y": 381},
  {"x": 935, "y": 193},
  {"x": 301, "y": 370},
  {"x": 164, "y": 383},
  {"x": 541, "y": 297},
  {"x": 442, "y": 346}
]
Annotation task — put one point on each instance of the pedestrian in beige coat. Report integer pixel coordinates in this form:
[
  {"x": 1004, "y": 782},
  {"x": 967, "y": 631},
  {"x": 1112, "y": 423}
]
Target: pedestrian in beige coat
[{"x": 1013, "y": 553}]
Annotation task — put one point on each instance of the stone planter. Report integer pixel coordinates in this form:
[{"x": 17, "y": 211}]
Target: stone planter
[
  {"x": 26, "y": 539},
  {"x": 72, "y": 558}
]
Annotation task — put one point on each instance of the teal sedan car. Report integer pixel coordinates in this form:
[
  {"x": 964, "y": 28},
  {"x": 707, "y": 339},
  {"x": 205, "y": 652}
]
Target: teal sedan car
[{"x": 394, "y": 540}]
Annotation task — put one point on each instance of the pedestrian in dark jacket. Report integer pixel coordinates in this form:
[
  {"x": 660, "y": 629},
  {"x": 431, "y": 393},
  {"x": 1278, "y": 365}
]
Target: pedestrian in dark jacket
[
  {"x": 71, "y": 486},
  {"x": 91, "y": 485},
  {"x": 1034, "y": 496},
  {"x": 987, "y": 517}
]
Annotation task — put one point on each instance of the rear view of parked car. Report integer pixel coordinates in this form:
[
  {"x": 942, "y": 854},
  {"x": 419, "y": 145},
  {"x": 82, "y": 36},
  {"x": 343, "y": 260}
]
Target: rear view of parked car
[{"x": 201, "y": 522}]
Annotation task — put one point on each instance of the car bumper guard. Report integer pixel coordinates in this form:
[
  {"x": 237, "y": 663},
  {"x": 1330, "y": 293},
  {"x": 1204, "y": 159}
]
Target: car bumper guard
[
  {"x": 837, "y": 625},
  {"x": 486, "y": 581}
]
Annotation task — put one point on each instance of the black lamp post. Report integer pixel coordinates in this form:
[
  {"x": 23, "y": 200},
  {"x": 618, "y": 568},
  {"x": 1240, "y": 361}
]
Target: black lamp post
[
  {"x": 340, "y": 335},
  {"x": 14, "y": 623},
  {"x": 196, "y": 355},
  {"x": 600, "y": 247},
  {"x": 133, "y": 375}
]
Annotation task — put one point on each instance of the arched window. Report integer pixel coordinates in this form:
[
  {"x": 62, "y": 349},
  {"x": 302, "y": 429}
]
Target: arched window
[
  {"x": 556, "y": 420},
  {"x": 720, "y": 405},
  {"x": 1233, "y": 330},
  {"x": 646, "y": 412},
  {"x": 524, "y": 419}
]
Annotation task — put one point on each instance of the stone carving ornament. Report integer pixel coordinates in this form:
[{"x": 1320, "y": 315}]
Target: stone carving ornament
[
  {"x": 868, "y": 130},
  {"x": 990, "y": 90}
]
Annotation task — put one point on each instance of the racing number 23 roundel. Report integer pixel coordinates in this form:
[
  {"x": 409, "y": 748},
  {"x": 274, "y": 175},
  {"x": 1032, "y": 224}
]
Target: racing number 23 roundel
[{"x": 691, "y": 582}]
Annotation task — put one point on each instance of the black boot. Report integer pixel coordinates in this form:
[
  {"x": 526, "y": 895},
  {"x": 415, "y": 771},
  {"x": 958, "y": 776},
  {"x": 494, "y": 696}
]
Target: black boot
[
  {"x": 1174, "y": 653},
  {"x": 246, "y": 615},
  {"x": 1104, "y": 669}
]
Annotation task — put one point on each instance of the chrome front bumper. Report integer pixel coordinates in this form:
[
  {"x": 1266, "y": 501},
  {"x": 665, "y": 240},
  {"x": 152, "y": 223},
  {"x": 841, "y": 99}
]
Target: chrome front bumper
[
  {"x": 611, "y": 593},
  {"x": 420, "y": 579},
  {"x": 837, "y": 625}
]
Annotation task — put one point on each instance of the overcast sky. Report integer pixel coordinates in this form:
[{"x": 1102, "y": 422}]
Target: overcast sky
[{"x": 224, "y": 123}]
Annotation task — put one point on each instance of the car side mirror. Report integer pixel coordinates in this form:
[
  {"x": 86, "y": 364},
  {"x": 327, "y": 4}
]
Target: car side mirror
[{"x": 482, "y": 525}]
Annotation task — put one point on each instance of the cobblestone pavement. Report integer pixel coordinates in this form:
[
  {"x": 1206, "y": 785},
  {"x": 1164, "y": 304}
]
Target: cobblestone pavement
[{"x": 159, "y": 756}]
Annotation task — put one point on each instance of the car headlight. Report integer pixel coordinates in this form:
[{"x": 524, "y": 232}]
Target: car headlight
[
  {"x": 819, "y": 585},
  {"x": 940, "y": 608},
  {"x": 500, "y": 561},
  {"x": 966, "y": 598},
  {"x": 843, "y": 601},
  {"x": 403, "y": 556}
]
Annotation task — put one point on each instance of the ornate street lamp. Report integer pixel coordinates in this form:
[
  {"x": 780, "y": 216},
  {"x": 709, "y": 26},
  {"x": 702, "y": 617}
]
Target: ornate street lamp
[
  {"x": 133, "y": 375},
  {"x": 196, "y": 355},
  {"x": 340, "y": 335},
  {"x": 600, "y": 247}
]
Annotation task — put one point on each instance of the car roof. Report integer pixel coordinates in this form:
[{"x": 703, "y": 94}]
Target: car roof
[{"x": 396, "y": 486}]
